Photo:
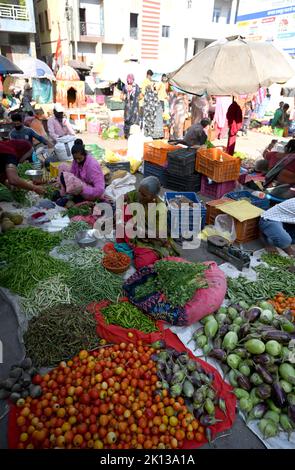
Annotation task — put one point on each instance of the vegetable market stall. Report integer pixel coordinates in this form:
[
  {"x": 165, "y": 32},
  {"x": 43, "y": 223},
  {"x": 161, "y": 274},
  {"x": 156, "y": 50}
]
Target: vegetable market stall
[{"x": 254, "y": 348}]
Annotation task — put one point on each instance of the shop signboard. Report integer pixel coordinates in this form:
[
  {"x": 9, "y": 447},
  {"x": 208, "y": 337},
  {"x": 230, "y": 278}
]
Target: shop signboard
[{"x": 268, "y": 20}]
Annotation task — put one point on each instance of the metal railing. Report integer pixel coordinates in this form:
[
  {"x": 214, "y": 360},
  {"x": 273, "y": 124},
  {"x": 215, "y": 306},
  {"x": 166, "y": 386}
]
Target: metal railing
[
  {"x": 14, "y": 12},
  {"x": 91, "y": 29}
]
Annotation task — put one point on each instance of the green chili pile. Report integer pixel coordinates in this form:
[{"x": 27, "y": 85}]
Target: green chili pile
[
  {"x": 269, "y": 283},
  {"x": 58, "y": 334},
  {"x": 127, "y": 316},
  {"x": 26, "y": 240},
  {"x": 28, "y": 269},
  {"x": 277, "y": 261},
  {"x": 179, "y": 281}
]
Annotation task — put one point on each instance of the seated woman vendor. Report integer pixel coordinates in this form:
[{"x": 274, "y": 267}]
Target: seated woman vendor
[
  {"x": 84, "y": 180},
  {"x": 277, "y": 227},
  {"x": 12, "y": 153},
  {"x": 282, "y": 164},
  {"x": 149, "y": 247}
]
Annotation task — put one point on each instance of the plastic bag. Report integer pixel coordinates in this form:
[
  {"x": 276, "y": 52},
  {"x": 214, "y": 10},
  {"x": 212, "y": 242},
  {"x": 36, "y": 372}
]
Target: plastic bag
[{"x": 225, "y": 227}]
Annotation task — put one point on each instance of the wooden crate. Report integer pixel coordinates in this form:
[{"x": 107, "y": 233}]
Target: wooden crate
[
  {"x": 247, "y": 231},
  {"x": 218, "y": 165}
]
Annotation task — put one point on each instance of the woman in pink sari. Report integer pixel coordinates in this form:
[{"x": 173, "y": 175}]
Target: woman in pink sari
[{"x": 220, "y": 120}]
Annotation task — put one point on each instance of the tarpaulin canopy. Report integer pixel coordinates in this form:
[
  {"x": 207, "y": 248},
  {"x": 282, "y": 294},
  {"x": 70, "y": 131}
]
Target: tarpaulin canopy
[
  {"x": 233, "y": 66},
  {"x": 7, "y": 67}
]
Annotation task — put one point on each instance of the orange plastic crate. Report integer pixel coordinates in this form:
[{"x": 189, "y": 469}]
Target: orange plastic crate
[
  {"x": 247, "y": 231},
  {"x": 156, "y": 152},
  {"x": 218, "y": 165}
]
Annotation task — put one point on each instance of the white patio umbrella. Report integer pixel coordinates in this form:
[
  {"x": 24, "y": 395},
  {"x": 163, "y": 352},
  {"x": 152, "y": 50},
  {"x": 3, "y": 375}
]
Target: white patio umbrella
[
  {"x": 233, "y": 66},
  {"x": 35, "y": 68}
]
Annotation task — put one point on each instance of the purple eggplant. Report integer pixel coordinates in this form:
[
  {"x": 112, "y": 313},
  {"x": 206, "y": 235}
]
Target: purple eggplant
[
  {"x": 198, "y": 412},
  {"x": 244, "y": 330},
  {"x": 264, "y": 374},
  {"x": 278, "y": 395},
  {"x": 223, "y": 330},
  {"x": 253, "y": 314},
  {"x": 207, "y": 420},
  {"x": 218, "y": 354},
  {"x": 263, "y": 391},
  {"x": 217, "y": 342},
  {"x": 259, "y": 410},
  {"x": 244, "y": 382},
  {"x": 242, "y": 353},
  {"x": 291, "y": 412},
  {"x": 281, "y": 336},
  {"x": 264, "y": 359}
]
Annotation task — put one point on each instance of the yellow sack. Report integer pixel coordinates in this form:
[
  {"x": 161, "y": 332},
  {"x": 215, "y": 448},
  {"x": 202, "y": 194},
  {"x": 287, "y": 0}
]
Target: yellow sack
[
  {"x": 134, "y": 165},
  {"x": 111, "y": 157}
]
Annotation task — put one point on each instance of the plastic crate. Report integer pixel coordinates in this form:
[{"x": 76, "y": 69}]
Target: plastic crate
[
  {"x": 181, "y": 162},
  {"x": 115, "y": 105},
  {"x": 210, "y": 208},
  {"x": 119, "y": 166},
  {"x": 186, "y": 183},
  {"x": 247, "y": 231},
  {"x": 215, "y": 190},
  {"x": 155, "y": 170},
  {"x": 194, "y": 198},
  {"x": 218, "y": 165},
  {"x": 156, "y": 152},
  {"x": 256, "y": 201}
]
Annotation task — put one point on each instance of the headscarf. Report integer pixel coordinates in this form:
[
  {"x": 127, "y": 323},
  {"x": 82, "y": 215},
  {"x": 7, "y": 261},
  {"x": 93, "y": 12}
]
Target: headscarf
[{"x": 130, "y": 79}]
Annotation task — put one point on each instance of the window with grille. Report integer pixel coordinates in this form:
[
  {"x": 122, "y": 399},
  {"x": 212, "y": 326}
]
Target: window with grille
[{"x": 166, "y": 31}]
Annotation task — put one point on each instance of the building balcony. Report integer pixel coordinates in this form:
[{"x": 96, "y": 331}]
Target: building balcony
[
  {"x": 14, "y": 12},
  {"x": 91, "y": 32},
  {"x": 17, "y": 18}
]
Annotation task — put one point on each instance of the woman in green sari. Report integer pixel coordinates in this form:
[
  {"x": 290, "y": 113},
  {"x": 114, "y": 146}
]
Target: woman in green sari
[{"x": 154, "y": 243}]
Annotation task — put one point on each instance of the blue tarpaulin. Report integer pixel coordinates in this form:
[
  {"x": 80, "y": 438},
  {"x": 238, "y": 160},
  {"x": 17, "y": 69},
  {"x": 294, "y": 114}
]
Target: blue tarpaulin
[{"x": 42, "y": 91}]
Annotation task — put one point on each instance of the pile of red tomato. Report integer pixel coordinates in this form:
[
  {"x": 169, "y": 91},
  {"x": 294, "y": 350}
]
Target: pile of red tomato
[{"x": 107, "y": 399}]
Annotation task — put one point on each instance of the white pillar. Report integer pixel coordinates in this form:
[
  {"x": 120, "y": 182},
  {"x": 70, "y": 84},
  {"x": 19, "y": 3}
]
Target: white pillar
[
  {"x": 32, "y": 45},
  {"x": 233, "y": 12}
]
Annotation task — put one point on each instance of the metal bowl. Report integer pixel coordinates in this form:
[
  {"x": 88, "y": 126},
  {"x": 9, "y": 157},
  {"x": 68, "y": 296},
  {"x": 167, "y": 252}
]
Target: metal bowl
[
  {"x": 34, "y": 175},
  {"x": 86, "y": 239}
]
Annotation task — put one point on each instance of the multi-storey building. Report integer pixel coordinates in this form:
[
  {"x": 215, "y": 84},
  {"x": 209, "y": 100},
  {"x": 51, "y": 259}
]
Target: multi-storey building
[
  {"x": 17, "y": 28},
  {"x": 157, "y": 33}
]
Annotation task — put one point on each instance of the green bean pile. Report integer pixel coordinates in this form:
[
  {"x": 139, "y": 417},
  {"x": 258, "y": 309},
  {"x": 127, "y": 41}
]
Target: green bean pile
[
  {"x": 93, "y": 284},
  {"x": 86, "y": 258},
  {"x": 28, "y": 269},
  {"x": 25, "y": 240},
  {"x": 71, "y": 230},
  {"x": 58, "y": 334},
  {"x": 277, "y": 261},
  {"x": 45, "y": 295},
  {"x": 269, "y": 283},
  {"x": 127, "y": 316}
]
